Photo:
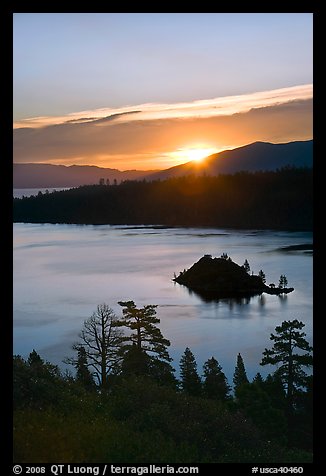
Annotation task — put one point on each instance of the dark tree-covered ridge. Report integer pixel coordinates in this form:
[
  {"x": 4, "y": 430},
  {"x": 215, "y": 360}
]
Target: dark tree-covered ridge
[{"x": 262, "y": 200}]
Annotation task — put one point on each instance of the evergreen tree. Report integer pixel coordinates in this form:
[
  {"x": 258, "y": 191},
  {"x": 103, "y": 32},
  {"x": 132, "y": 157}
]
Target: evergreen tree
[
  {"x": 239, "y": 376},
  {"x": 145, "y": 349},
  {"x": 262, "y": 276},
  {"x": 145, "y": 336},
  {"x": 190, "y": 380},
  {"x": 36, "y": 382},
  {"x": 83, "y": 375},
  {"x": 287, "y": 340},
  {"x": 215, "y": 382},
  {"x": 283, "y": 282},
  {"x": 246, "y": 266},
  {"x": 135, "y": 362},
  {"x": 258, "y": 379},
  {"x": 35, "y": 359},
  {"x": 274, "y": 387},
  {"x": 256, "y": 403}
]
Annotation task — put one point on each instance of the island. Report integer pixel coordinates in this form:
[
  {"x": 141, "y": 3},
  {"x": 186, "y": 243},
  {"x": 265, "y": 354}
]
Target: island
[{"x": 218, "y": 278}]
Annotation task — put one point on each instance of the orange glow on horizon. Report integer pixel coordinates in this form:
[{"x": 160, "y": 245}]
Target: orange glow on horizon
[{"x": 192, "y": 154}]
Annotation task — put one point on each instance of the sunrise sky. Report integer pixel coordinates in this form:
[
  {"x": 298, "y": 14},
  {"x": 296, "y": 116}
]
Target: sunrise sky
[{"x": 153, "y": 90}]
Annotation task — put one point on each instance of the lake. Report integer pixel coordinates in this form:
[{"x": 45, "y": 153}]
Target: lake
[
  {"x": 61, "y": 273},
  {"x": 28, "y": 192}
]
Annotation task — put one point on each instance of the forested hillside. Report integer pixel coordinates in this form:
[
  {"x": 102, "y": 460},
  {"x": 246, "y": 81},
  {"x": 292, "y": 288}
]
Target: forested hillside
[{"x": 276, "y": 199}]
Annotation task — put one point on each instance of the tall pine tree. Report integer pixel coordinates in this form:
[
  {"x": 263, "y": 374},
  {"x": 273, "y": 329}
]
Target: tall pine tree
[
  {"x": 288, "y": 340},
  {"x": 215, "y": 383},
  {"x": 240, "y": 375},
  {"x": 190, "y": 380},
  {"x": 291, "y": 352},
  {"x": 145, "y": 349}
]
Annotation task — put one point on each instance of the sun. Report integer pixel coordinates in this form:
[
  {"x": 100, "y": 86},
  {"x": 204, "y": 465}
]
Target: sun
[
  {"x": 198, "y": 155},
  {"x": 192, "y": 154}
]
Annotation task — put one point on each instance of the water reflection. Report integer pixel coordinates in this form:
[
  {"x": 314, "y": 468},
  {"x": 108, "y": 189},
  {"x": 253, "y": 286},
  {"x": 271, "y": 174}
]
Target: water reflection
[
  {"x": 262, "y": 300},
  {"x": 241, "y": 300},
  {"x": 283, "y": 298}
]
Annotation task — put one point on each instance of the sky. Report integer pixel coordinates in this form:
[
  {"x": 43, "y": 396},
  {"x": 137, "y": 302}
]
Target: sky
[{"x": 153, "y": 90}]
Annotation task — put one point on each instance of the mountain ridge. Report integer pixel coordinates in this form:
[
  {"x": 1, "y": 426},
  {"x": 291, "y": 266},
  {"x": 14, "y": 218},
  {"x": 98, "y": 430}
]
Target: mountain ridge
[
  {"x": 42, "y": 175},
  {"x": 257, "y": 156}
]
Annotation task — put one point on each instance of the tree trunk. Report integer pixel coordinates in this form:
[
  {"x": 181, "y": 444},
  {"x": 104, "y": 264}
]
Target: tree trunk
[{"x": 103, "y": 355}]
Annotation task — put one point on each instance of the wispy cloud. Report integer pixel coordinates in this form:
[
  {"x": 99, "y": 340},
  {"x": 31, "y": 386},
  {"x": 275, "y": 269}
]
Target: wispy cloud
[
  {"x": 221, "y": 106},
  {"x": 147, "y": 136}
]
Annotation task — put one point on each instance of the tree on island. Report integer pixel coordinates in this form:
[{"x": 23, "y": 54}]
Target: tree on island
[
  {"x": 215, "y": 383},
  {"x": 283, "y": 282},
  {"x": 262, "y": 276},
  {"x": 101, "y": 340},
  {"x": 190, "y": 380},
  {"x": 246, "y": 266},
  {"x": 240, "y": 375}
]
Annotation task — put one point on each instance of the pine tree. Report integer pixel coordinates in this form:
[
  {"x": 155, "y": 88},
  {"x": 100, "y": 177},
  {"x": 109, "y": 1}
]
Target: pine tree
[
  {"x": 34, "y": 358},
  {"x": 283, "y": 282},
  {"x": 246, "y": 266},
  {"x": 146, "y": 335},
  {"x": 190, "y": 380},
  {"x": 83, "y": 375},
  {"x": 262, "y": 276},
  {"x": 239, "y": 376},
  {"x": 145, "y": 349},
  {"x": 215, "y": 383},
  {"x": 290, "y": 363},
  {"x": 258, "y": 379}
]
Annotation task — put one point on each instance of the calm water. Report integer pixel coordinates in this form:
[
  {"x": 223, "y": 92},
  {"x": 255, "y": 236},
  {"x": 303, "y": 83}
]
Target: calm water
[
  {"x": 27, "y": 192},
  {"x": 61, "y": 273}
]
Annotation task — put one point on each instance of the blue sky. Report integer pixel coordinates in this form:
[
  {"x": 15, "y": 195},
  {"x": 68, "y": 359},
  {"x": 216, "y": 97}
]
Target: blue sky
[
  {"x": 69, "y": 62},
  {"x": 152, "y": 90}
]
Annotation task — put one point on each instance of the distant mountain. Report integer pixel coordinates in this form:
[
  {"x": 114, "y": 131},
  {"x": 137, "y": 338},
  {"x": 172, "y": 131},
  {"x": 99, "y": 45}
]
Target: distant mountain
[
  {"x": 252, "y": 157},
  {"x": 48, "y": 175}
]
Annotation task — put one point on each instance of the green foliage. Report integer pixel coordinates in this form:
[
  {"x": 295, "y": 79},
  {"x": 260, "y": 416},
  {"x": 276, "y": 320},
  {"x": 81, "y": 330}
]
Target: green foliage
[
  {"x": 287, "y": 339},
  {"x": 36, "y": 383},
  {"x": 291, "y": 353},
  {"x": 258, "y": 379},
  {"x": 144, "y": 418},
  {"x": 141, "y": 422},
  {"x": 215, "y": 383},
  {"x": 190, "y": 380},
  {"x": 256, "y": 403},
  {"x": 146, "y": 336},
  {"x": 241, "y": 200},
  {"x": 83, "y": 375},
  {"x": 240, "y": 375}
]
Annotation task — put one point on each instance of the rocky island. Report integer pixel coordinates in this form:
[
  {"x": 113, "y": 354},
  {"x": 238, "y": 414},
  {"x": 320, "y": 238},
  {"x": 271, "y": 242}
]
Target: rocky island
[{"x": 218, "y": 278}]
